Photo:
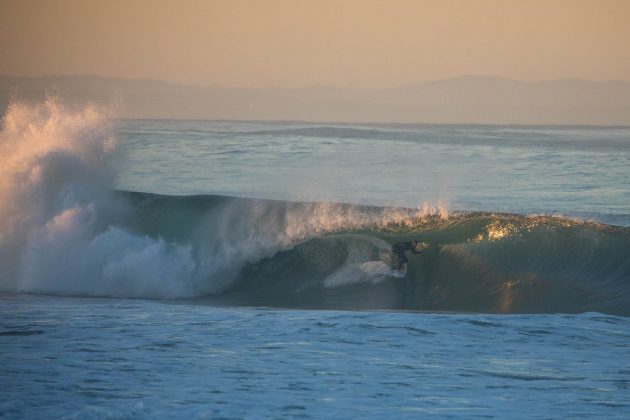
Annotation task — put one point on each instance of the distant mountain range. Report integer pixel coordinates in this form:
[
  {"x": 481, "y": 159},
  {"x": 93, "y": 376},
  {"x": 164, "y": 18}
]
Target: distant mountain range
[{"x": 461, "y": 100}]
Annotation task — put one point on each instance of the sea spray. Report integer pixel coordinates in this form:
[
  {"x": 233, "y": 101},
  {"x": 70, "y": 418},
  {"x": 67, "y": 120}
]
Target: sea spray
[
  {"x": 64, "y": 231},
  {"x": 59, "y": 217}
]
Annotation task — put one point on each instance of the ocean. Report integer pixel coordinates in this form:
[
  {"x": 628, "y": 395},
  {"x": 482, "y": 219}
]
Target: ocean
[{"x": 224, "y": 269}]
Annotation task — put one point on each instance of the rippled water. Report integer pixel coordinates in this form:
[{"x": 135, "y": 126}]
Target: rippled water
[{"x": 84, "y": 358}]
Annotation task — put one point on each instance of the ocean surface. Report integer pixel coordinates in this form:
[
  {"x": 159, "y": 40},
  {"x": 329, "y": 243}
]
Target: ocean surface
[{"x": 215, "y": 269}]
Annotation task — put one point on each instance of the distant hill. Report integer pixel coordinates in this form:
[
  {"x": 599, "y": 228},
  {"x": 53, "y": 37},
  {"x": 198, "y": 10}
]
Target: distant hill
[{"x": 467, "y": 99}]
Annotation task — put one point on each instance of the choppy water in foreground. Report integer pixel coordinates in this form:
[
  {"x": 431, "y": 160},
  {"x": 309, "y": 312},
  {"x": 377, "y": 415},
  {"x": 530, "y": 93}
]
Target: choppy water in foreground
[
  {"x": 144, "y": 280},
  {"x": 95, "y": 358}
]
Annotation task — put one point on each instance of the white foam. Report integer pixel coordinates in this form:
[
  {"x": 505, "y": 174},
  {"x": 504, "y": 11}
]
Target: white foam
[{"x": 58, "y": 217}]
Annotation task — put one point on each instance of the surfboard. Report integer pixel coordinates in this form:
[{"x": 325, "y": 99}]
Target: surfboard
[{"x": 400, "y": 273}]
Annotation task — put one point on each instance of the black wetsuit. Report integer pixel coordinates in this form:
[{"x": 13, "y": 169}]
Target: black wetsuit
[{"x": 399, "y": 249}]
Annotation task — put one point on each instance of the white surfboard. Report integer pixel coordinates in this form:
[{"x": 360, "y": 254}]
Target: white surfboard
[{"x": 400, "y": 273}]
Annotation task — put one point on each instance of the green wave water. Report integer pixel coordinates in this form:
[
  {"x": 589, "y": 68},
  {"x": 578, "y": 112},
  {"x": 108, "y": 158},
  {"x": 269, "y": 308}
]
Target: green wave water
[{"x": 325, "y": 255}]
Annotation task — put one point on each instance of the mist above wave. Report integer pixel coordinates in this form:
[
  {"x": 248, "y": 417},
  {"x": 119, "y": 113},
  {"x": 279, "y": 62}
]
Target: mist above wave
[
  {"x": 59, "y": 219},
  {"x": 64, "y": 231}
]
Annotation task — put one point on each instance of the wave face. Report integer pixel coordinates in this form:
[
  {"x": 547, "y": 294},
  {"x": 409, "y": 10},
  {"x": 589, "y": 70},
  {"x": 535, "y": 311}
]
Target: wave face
[
  {"x": 337, "y": 256},
  {"x": 65, "y": 231}
]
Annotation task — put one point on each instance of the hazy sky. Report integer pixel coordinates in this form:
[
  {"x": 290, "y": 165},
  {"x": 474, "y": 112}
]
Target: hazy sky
[{"x": 293, "y": 43}]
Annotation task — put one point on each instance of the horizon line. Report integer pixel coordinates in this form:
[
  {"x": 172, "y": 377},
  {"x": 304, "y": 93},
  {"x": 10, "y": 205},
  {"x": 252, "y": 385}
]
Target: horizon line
[
  {"x": 319, "y": 86},
  {"x": 376, "y": 123}
]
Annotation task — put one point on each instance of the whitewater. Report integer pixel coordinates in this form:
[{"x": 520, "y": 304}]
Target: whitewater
[{"x": 241, "y": 269}]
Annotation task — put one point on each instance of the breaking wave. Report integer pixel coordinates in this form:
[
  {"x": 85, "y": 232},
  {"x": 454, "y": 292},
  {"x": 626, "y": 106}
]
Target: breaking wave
[{"x": 64, "y": 230}]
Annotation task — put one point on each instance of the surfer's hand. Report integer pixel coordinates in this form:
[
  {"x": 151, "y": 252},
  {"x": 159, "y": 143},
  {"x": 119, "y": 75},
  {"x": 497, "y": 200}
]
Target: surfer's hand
[{"x": 420, "y": 247}]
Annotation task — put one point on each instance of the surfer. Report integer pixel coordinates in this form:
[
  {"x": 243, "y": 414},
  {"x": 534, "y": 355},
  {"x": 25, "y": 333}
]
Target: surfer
[{"x": 399, "y": 250}]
